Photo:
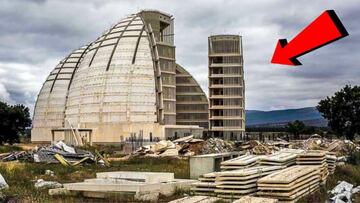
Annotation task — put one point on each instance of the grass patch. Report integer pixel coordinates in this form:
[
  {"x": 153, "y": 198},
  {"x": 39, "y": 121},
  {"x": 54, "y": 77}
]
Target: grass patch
[{"x": 9, "y": 148}]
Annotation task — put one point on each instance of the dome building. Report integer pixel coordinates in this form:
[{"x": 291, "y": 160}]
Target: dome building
[{"x": 126, "y": 82}]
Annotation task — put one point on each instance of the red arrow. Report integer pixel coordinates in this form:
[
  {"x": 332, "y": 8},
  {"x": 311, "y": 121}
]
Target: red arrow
[{"x": 322, "y": 31}]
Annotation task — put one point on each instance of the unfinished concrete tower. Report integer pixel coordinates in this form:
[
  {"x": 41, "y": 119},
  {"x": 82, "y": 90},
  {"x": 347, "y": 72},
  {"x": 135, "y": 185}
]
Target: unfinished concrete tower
[
  {"x": 192, "y": 107},
  {"x": 226, "y": 87},
  {"x": 122, "y": 83}
]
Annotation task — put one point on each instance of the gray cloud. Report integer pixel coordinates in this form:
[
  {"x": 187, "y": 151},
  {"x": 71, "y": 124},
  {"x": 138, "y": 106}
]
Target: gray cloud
[{"x": 35, "y": 35}]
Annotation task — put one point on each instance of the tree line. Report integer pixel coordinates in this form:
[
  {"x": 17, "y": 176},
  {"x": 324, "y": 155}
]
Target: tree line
[
  {"x": 14, "y": 120},
  {"x": 342, "y": 110}
]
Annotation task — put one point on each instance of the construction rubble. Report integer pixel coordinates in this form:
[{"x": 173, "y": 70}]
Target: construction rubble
[
  {"x": 42, "y": 184},
  {"x": 342, "y": 193},
  {"x": 186, "y": 146},
  {"x": 55, "y": 153},
  {"x": 189, "y": 146},
  {"x": 339, "y": 147},
  {"x": 3, "y": 183}
]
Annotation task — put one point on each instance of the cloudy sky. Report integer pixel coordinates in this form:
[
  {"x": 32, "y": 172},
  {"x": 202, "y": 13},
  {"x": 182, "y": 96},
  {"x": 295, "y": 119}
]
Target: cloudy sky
[{"x": 36, "y": 34}]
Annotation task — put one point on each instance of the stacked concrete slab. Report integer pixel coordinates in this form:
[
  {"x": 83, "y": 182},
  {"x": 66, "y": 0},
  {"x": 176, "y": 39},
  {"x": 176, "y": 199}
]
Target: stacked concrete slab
[
  {"x": 244, "y": 161},
  {"x": 314, "y": 158},
  {"x": 279, "y": 159},
  {"x": 331, "y": 162},
  {"x": 196, "y": 199},
  {"x": 252, "y": 199},
  {"x": 290, "y": 184},
  {"x": 237, "y": 183},
  {"x": 145, "y": 186},
  {"x": 206, "y": 185}
]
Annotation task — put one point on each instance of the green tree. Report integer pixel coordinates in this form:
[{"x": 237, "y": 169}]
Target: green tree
[
  {"x": 295, "y": 128},
  {"x": 13, "y": 122},
  {"x": 343, "y": 111}
]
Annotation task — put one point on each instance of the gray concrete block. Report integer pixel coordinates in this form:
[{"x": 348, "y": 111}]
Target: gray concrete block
[{"x": 148, "y": 177}]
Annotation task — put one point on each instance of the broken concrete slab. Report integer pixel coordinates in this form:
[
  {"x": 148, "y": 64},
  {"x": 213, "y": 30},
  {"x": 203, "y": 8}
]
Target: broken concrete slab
[
  {"x": 59, "y": 192},
  {"x": 66, "y": 148},
  {"x": 148, "y": 177},
  {"x": 170, "y": 152},
  {"x": 3, "y": 183},
  {"x": 42, "y": 184}
]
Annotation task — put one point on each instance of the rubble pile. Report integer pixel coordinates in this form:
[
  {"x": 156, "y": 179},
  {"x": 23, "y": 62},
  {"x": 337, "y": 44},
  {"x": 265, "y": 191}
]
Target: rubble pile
[
  {"x": 185, "y": 146},
  {"x": 256, "y": 147},
  {"x": 216, "y": 145},
  {"x": 189, "y": 146},
  {"x": 343, "y": 192},
  {"x": 340, "y": 147},
  {"x": 55, "y": 153}
]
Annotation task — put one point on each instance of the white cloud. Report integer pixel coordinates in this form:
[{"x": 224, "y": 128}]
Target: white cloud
[
  {"x": 4, "y": 95},
  {"x": 35, "y": 35}
]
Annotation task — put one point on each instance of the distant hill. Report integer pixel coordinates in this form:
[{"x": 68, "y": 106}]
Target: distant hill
[{"x": 310, "y": 116}]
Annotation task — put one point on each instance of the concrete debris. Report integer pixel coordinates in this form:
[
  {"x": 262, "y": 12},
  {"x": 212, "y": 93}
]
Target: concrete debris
[
  {"x": 186, "y": 146},
  {"x": 216, "y": 145},
  {"x": 258, "y": 148},
  {"x": 339, "y": 147},
  {"x": 59, "y": 192},
  {"x": 170, "y": 152},
  {"x": 42, "y": 184},
  {"x": 49, "y": 173},
  {"x": 343, "y": 192},
  {"x": 56, "y": 153},
  {"x": 3, "y": 183},
  {"x": 63, "y": 146}
]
